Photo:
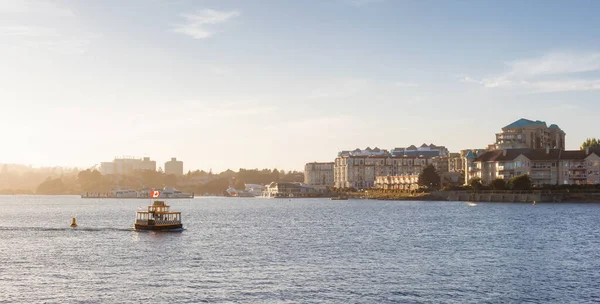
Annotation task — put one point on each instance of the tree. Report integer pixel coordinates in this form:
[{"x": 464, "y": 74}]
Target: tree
[
  {"x": 52, "y": 186},
  {"x": 475, "y": 183},
  {"x": 275, "y": 175},
  {"x": 429, "y": 177},
  {"x": 521, "y": 182},
  {"x": 239, "y": 185},
  {"x": 590, "y": 143},
  {"x": 498, "y": 184}
]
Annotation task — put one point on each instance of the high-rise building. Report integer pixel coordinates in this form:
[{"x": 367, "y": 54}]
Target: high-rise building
[
  {"x": 174, "y": 166},
  {"x": 525, "y": 133}
]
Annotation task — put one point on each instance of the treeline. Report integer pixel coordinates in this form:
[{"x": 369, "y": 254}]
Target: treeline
[
  {"x": 21, "y": 179},
  {"x": 198, "y": 182}
]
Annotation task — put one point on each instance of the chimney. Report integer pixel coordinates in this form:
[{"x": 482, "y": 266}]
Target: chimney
[
  {"x": 547, "y": 149},
  {"x": 587, "y": 150},
  {"x": 504, "y": 152}
]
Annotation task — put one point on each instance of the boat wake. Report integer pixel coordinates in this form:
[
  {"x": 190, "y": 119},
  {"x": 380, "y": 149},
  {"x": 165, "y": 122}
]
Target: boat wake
[{"x": 63, "y": 229}]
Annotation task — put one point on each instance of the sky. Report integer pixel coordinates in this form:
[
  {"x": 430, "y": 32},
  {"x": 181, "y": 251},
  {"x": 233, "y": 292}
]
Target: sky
[{"x": 275, "y": 84}]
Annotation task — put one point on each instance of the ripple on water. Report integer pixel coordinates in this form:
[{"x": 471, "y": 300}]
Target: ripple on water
[{"x": 299, "y": 251}]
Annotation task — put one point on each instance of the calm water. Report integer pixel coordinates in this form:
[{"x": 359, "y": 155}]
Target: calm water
[{"x": 299, "y": 251}]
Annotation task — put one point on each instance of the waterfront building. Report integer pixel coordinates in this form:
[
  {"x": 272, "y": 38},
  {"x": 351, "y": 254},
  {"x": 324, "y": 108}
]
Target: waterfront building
[
  {"x": 127, "y": 165},
  {"x": 174, "y": 166},
  {"x": 441, "y": 164},
  {"x": 319, "y": 174},
  {"x": 469, "y": 167},
  {"x": 291, "y": 190},
  {"x": 455, "y": 162},
  {"x": 397, "y": 182},
  {"x": 424, "y": 150},
  {"x": 366, "y": 152},
  {"x": 544, "y": 166},
  {"x": 360, "y": 172},
  {"x": 525, "y": 133}
]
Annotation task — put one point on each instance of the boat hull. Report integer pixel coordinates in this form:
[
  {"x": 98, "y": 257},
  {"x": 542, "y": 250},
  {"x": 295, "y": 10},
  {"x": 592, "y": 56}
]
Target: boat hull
[{"x": 159, "y": 227}]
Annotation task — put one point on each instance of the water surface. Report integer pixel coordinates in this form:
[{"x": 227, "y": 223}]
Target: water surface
[{"x": 248, "y": 250}]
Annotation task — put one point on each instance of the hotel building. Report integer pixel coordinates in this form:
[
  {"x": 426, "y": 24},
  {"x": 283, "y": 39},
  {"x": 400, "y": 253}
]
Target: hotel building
[{"x": 360, "y": 172}]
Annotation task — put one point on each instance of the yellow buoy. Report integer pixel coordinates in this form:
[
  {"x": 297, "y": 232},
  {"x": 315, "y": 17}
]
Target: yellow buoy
[{"x": 73, "y": 222}]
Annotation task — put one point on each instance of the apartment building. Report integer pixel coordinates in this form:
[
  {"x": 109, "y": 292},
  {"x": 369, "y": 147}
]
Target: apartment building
[
  {"x": 319, "y": 174},
  {"x": 544, "y": 166},
  {"x": 174, "y": 166},
  {"x": 424, "y": 150},
  {"x": 525, "y": 133},
  {"x": 441, "y": 164},
  {"x": 361, "y": 172},
  {"x": 127, "y": 165}
]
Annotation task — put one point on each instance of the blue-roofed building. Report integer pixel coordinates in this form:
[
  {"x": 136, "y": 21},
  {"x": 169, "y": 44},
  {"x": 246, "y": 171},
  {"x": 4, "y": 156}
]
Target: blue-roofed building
[
  {"x": 426, "y": 150},
  {"x": 532, "y": 134}
]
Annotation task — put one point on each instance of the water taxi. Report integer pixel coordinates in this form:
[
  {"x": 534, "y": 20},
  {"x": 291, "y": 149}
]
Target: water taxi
[{"x": 158, "y": 217}]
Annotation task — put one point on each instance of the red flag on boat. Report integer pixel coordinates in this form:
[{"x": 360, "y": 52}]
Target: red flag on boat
[{"x": 155, "y": 193}]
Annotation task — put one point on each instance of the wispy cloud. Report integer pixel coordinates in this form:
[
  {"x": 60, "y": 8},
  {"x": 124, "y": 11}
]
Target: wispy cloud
[
  {"x": 197, "y": 24},
  {"x": 553, "y": 72}
]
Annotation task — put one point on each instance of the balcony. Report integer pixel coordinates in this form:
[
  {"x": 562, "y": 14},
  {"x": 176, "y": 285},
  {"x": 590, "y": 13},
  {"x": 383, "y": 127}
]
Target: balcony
[
  {"x": 541, "y": 167},
  {"x": 541, "y": 176},
  {"x": 506, "y": 168},
  {"x": 578, "y": 176}
]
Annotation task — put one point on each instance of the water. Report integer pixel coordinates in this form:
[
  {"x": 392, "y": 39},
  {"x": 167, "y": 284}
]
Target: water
[{"x": 245, "y": 250}]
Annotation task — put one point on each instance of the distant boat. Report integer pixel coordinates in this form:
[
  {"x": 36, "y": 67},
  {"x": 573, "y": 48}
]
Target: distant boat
[
  {"x": 471, "y": 204},
  {"x": 166, "y": 192},
  {"x": 338, "y": 198}
]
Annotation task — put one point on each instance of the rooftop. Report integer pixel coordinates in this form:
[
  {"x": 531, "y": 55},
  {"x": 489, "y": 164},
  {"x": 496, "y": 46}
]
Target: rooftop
[
  {"x": 521, "y": 123},
  {"x": 534, "y": 154}
]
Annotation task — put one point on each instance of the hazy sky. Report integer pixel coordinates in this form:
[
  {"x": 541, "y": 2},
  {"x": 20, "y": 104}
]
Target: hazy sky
[{"x": 267, "y": 84}]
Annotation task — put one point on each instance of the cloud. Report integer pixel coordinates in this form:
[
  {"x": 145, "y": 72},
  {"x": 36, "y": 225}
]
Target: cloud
[
  {"x": 555, "y": 64},
  {"x": 553, "y": 72},
  {"x": 196, "y": 23},
  {"x": 39, "y": 7}
]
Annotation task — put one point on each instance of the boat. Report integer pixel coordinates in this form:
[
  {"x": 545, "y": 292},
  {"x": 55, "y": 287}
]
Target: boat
[
  {"x": 158, "y": 217},
  {"x": 235, "y": 193},
  {"x": 338, "y": 198},
  {"x": 166, "y": 192}
]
